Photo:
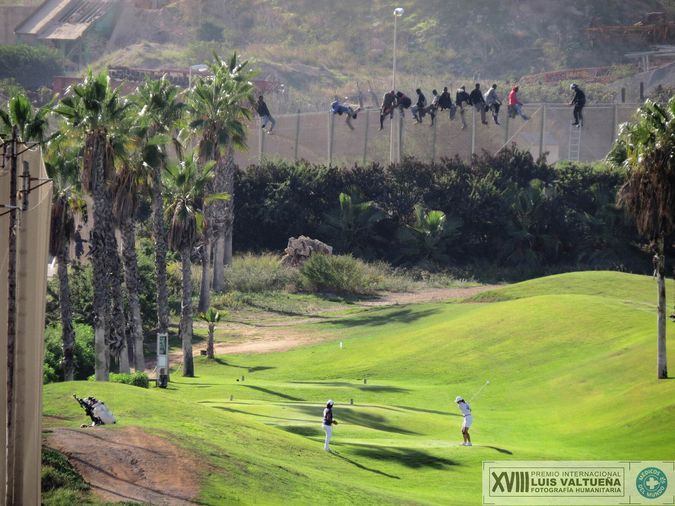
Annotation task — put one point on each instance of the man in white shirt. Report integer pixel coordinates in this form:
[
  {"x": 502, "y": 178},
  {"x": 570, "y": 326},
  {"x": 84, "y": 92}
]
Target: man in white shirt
[
  {"x": 493, "y": 102},
  {"x": 468, "y": 419},
  {"x": 328, "y": 423}
]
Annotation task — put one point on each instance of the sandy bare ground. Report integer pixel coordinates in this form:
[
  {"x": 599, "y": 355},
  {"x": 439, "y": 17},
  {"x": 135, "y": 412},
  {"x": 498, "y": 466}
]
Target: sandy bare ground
[
  {"x": 268, "y": 337},
  {"x": 129, "y": 464}
]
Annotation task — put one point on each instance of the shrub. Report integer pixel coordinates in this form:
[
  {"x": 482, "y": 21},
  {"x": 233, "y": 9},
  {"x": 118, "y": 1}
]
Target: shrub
[
  {"x": 259, "y": 273},
  {"x": 341, "y": 274},
  {"x": 31, "y": 66},
  {"x": 137, "y": 379},
  {"x": 84, "y": 353}
]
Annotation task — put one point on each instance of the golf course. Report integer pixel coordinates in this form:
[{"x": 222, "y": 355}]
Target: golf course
[{"x": 570, "y": 360}]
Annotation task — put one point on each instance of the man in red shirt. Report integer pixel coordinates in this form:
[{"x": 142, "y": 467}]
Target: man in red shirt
[{"x": 515, "y": 105}]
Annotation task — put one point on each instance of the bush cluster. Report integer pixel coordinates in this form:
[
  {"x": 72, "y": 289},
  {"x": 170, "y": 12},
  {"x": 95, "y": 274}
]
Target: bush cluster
[
  {"x": 30, "y": 66},
  {"x": 84, "y": 353},
  {"x": 508, "y": 211},
  {"x": 137, "y": 379}
]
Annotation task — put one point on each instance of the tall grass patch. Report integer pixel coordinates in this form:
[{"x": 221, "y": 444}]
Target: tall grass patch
[{"x": 259, "y": 273}]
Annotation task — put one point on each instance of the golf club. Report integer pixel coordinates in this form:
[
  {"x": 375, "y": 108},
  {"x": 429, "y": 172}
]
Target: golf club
[{"x": 487, "y": 382}]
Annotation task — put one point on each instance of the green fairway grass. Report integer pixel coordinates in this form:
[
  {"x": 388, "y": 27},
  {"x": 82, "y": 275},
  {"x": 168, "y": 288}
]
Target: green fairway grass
[{"x": 571, "y": 361}]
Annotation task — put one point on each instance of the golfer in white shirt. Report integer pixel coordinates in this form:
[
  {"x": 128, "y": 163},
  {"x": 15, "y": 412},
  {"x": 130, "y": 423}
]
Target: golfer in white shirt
[
  {"x": 328, "y": 423},
  {"x": 468, "y": 419}
]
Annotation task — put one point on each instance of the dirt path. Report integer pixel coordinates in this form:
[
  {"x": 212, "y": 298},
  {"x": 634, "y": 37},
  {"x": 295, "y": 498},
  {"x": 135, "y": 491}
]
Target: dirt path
[
  {"x": 129, "y": 465},
  {"x": 267, "y": 337},
  {"x": 429, "y": 295}
]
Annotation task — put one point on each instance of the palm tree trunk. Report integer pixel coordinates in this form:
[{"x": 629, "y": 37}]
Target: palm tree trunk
[
  {"x": 67, "y": 331},
  {"x": 96, "y": 149},
  {"x": 118, "y": 336},
  {"x": 205, "y": 284},
  {"x": 209, "y": 346},
  {"x": 224, "y": 221},
  {"x": 131, "y": 279},
  {"x": 186, "y": 314},
  {"x": 661, "y": 363},
  {"x": 160, "y": 252}
]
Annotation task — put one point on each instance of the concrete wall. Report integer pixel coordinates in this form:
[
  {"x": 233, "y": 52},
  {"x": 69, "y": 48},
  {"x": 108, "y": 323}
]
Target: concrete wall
[{"x": 10, "y": 17}]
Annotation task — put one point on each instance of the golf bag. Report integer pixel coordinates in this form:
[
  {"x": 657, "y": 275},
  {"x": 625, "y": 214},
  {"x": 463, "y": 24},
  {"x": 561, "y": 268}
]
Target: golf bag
[{"x": 96, "y": 410}]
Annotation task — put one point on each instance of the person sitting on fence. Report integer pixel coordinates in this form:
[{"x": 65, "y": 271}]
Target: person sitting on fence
[
  {"x": 351, "y": 111},
  {"x": 461, "y": 98},
  {"x": 433, "y": 106},
  {"x": 445, "y": 102},
  {"x": 515, "y": 105},
  {"x": 264, "y": 113},
  {"x": 578, "y": 101},
  {"x": 478, "y": 102},
  {"x": 419, "y": 109},
  {"x": 493, "y": 102},
  {"x": 403, "y": 102},
  {"x": 388, "y": 106}
]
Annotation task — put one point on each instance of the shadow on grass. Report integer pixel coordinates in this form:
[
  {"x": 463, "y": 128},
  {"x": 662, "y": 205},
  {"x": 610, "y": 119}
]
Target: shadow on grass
[
  {"x": 415, "y": 459},
  {"x": 500, "y": 450},
  {"x": 242, "y": 412},
  {"x": 302, "y": 430},
  {"x": 364, "y": 388},
  {"x": 400, "y": 316},
  {"x": 272, "y": 392},
  {"x": 257, "y": 368},
  {"x": 349, "y": 415},
  {"x": 430, "y": 411},
  {"x": 361, "y": 466}
]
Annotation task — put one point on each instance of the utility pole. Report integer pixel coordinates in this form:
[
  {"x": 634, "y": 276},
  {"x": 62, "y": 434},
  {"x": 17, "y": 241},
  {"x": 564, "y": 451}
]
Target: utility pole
[{"x": 11, "y": 321}]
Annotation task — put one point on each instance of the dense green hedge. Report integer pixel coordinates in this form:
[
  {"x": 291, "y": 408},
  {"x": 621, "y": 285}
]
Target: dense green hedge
[
  {"x": 31, "y": 67},
  {"x": 508, "y": 210}
]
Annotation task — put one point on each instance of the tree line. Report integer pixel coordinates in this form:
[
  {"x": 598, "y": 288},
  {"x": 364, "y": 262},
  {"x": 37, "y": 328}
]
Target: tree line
[
  {"x": 130, "y": 156},
  {"x": 122, "y": 151}
]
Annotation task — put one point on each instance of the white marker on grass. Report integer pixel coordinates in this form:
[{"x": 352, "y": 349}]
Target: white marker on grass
[{"x": 340, "y": 344}]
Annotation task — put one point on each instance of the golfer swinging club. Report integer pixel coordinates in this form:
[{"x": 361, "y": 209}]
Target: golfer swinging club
[
  {"x": 328, "y": 423},
  {"x": 468, "y": 419}
]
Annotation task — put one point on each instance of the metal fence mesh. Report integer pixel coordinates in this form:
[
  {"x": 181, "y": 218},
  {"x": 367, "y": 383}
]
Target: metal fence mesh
[{"x": 326, "y": 138}]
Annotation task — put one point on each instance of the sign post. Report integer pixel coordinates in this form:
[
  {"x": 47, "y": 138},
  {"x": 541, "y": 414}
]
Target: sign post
[{"x": 162, "y": 360}]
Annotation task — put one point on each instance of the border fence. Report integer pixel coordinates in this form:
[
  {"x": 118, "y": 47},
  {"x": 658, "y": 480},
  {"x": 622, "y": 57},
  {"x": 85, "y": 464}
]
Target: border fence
[{"x": 322, "y": 137}]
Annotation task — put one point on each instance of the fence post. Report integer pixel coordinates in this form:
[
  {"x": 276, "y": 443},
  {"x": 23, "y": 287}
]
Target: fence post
[
  {"x": 473, "y": 131},
  {"x": 614, "y": 120},
  {"x": 506, "y": 127},
  {"x": 297, "y": 136},
  {"x": 642, "y": 91},
  {"x": 541, "y": 130},
  {"x": 433, "y": 144},
  {"x": 261, "y": 144},
  {"x": 400, "y": 139},
  {"x": 331, "y": 125},
  {"x": 365, "y": 137},
  {"x": 623, "y": 95}
]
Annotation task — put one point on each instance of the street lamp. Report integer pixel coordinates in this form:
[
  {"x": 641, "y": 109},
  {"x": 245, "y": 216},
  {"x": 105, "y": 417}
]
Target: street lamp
[
  {"x": 398, "y": 12},
  {"x": 201, "y": 67}
]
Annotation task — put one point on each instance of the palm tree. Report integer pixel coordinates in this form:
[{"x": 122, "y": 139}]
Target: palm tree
[
  {"x": 31, "y": 124},
  {"x": 160, "y": 111},
  {"x": 185, "y": 198},
  {"x": 645, "y": 148},
  {"x": 63, "y": 168},
  {"x": 429, "y": 236},
  {"x": 127, "y": 188},
  {"x": 91, "y": 109},
  {"x": 219, "y": 106},
  {"x": 211, "y": 317}
]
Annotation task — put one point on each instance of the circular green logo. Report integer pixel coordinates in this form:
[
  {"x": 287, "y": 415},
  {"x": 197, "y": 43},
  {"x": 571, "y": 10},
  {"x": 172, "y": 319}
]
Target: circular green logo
[{"x": 651, "y": 482}]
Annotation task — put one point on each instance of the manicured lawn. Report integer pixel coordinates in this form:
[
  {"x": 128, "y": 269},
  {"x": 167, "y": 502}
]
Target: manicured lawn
[{"x": 570, "y": 359}]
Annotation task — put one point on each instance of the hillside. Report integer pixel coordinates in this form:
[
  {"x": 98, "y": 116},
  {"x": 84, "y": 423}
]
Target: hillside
[
  {"x": 318, "y": 47},
  {"x": 570, "y": 360}
]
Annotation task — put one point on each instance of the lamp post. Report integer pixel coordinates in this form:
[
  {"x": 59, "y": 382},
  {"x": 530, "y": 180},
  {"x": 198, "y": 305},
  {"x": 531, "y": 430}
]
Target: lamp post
[
  {"x": 201, "y": 67},
  {"x": 398, "y": 12}
]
